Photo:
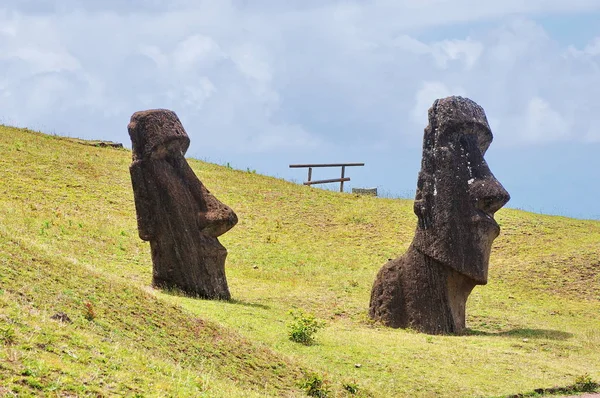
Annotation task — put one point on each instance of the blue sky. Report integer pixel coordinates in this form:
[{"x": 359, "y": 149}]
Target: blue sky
[{"x": 262, "y": 84}]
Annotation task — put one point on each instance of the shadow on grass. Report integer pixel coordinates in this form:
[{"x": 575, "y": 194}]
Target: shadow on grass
[
  {"x": 583, "y": 384},
  {"x": 178, "y": 293},
  {"x": 524, "y": 333},
  {"x": 246, "y": 304}
]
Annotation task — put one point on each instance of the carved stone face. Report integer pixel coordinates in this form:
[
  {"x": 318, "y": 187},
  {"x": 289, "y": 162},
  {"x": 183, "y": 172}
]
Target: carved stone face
[{"x": 457, "y": 194}]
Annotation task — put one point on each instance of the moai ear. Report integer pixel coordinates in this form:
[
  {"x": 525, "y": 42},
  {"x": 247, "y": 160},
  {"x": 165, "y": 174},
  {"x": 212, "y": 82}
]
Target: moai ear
[
  {"x": 144, "y": 202},
  {"x": 419, "y": 205},
  {"x": 423, "y": 197}
]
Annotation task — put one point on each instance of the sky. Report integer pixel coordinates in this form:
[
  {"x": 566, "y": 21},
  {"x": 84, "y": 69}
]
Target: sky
[{"x": 261, "y": 84}]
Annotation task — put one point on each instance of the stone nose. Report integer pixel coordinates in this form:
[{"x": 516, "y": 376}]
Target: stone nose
[{"x": 489, "y": 195}]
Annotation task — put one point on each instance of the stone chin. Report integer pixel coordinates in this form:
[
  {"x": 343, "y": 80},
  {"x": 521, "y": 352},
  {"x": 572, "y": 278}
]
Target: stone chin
[
  {"x": 468, "y": 256},
  {"x": 484, "y": 234}
]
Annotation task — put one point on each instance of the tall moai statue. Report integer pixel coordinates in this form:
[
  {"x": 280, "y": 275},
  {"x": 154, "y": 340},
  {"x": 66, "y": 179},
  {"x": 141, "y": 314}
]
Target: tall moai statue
[
  {"x": 457, "y": 195},
  {"x": 175, "y": 211}
]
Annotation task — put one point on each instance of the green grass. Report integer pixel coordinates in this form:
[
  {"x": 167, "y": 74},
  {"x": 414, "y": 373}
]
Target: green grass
[{"x": 68, "y": 236}]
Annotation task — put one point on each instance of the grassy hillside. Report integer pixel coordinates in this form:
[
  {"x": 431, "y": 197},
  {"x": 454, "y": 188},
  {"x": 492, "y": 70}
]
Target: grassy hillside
[{"x": 68, "y": 243}]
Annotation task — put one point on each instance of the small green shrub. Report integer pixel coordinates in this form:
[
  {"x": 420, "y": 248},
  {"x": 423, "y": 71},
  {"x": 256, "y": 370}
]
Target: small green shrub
[
  {"x": 33, "y": 382},
  {"x": 88, "y": 311},
  {"x": 7, "y": 335},
  {"x": 315, "y": 386},
  {"x": 584, "y": 383},
  {"x": 27, "y": 372},
  {"x": 45, "y": 227},
  {"x": 303, "y": 328},
  {"x": 351, "y": 387}
]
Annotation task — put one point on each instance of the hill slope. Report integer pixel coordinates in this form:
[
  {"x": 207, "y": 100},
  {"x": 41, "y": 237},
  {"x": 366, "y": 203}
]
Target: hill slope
[{"x": 68, "y": 243}]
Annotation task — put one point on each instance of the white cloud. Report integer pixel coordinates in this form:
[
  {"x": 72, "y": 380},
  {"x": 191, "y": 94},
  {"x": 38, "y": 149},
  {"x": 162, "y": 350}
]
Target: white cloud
[
  {"x": 405, "y": 42},
  {"x": 592, "y": 136},
  {"x": 155, "y": 54},
  {"x": 281, "y": 136},
  {"x": 443, "y": 52},
  {"x": 322, "y": 71},
  {"x": 544, "y": 123},
  {"x": 467, "y": 50},
  {"x": 517, "y": 40},
  {"x": 42, "y": 60},
  {"x": 427, "y": 94},
  {"x": 194, "y": 96},
  {"x": 593, "y": 48},
  {"x": 196, "y": 52},
  {"x": 251, "y": 60},
  {"x": 8, "y": 30}
]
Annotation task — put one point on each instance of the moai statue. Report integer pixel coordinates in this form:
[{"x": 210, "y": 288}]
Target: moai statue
[
  {"x": 175, "y": 211},
  {"x": 457, "y": 195}
]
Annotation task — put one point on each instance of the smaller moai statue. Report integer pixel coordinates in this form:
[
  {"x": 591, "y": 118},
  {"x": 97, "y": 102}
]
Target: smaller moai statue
[
  {"x": 175, "y": 212},
  {"x": 457, "y": 195}
]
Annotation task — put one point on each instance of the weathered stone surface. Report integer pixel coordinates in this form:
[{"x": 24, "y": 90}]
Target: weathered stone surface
[
  {"x": 457, "y": 195},
  {"x": 61, "y": 317},
  {"x": 175, "y": 211}
]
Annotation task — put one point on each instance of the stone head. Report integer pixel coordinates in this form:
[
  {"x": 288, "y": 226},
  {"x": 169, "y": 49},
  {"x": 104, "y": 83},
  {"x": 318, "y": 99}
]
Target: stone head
[
  {"x": 156, "y": 133},
  {"x": 457, "y": 194}
]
